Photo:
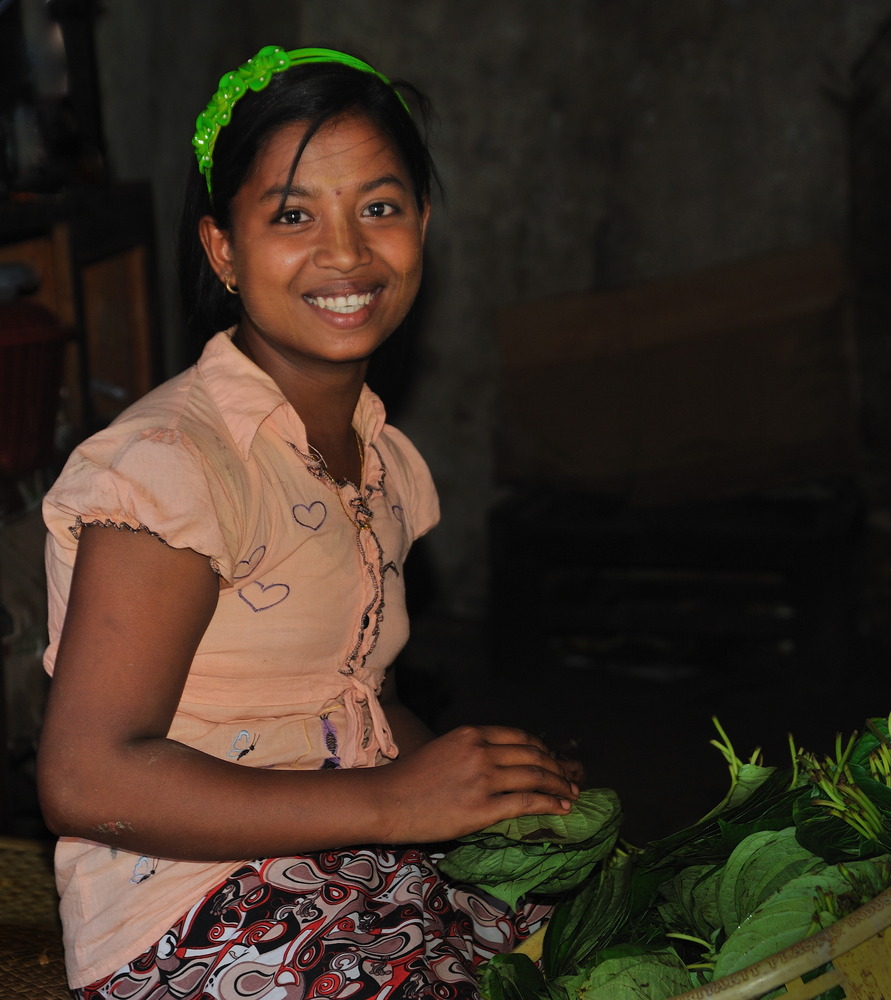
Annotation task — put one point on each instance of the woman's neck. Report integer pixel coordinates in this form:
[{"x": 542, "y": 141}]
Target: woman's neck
[{"x": 324, "y": 396}]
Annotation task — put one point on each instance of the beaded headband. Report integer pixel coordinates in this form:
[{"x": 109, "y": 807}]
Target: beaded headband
[{"x": 256, "y": 74}]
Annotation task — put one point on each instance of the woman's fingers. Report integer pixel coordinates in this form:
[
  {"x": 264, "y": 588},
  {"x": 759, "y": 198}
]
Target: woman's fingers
[
  {"x": 515, "y": 749},
  {"x": 512, "y": 761},
  {"x": 534, "y": 779},
  {"x": 507, "y": 735}
]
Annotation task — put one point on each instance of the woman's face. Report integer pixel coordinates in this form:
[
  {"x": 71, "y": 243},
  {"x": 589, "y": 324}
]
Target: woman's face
[{"x": 327, "y": 264}]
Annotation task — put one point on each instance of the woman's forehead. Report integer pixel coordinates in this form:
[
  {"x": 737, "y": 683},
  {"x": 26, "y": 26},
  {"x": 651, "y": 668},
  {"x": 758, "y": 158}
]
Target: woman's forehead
[{"x": 347, "y": 146}]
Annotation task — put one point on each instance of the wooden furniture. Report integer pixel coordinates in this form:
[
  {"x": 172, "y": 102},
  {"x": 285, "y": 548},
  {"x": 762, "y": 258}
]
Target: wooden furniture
[
  {"x": 32, "y": 358},
  {"x": 93, "y": 252}
]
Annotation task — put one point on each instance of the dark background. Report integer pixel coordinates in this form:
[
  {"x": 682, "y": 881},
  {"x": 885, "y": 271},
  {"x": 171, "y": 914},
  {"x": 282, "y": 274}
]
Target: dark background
[{"x": 662, "y": 449}]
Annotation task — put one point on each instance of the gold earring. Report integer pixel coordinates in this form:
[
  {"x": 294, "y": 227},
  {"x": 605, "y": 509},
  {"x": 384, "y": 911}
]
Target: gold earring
[{"x": 229, "y": 288}]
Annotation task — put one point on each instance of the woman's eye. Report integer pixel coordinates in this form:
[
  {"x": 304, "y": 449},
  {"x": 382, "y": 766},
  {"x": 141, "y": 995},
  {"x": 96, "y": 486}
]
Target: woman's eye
[
  {"x": 292, "y": 216},
  {"x": 380, "y": 209}
]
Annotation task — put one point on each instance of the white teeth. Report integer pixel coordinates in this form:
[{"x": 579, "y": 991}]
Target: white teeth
[{"x": 342, "y": 303}]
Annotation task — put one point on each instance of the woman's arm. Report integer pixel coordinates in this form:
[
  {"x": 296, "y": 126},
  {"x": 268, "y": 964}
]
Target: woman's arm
[{"x": 107, "y": 771}]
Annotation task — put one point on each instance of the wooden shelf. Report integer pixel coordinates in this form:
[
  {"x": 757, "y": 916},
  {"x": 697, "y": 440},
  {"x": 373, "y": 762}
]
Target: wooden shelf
[{"x": 93, "y": 251}]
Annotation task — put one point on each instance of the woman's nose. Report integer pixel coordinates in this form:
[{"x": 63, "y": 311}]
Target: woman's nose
[{"x": 341, "y": 246}]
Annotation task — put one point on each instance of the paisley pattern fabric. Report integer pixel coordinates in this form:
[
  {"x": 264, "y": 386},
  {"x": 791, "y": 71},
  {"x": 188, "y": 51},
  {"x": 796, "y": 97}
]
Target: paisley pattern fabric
[{"x": 362, "y": 923}]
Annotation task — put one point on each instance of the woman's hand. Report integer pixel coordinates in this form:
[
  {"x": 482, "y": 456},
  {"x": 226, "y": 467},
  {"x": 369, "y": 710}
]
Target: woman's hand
[{"x": 470, "y": 778}]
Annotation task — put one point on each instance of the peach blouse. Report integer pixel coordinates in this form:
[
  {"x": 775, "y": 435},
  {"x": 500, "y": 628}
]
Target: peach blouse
[{"x": 288, "y": 672}]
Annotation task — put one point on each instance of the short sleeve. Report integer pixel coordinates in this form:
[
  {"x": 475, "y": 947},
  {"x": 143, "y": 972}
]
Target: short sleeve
[
  {"x": 154, "y": 480},
  {"x": 420, "y": 500}
]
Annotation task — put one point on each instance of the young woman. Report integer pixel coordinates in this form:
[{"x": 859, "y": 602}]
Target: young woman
[{"x": 224, "y": 753}]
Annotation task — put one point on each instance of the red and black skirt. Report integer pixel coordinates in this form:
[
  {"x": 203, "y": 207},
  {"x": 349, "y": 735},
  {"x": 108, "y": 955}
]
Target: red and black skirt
[{"x": 357, "y": 924}]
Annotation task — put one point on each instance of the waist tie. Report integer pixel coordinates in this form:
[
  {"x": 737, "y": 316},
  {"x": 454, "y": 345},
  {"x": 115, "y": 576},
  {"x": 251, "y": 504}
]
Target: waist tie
[{"x": 355, "y": 696}]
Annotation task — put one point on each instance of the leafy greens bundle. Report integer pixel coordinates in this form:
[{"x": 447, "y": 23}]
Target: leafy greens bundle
[
  {"x": 785, "y": 854},
  {"x": 538, "y": 854}
]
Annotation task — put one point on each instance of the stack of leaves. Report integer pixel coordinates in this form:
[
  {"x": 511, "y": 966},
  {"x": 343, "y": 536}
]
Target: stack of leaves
[
  {"x": 848, "y": 811},
  {"x": 785, "y": 854},
  {"x": 541, "y": 855}
]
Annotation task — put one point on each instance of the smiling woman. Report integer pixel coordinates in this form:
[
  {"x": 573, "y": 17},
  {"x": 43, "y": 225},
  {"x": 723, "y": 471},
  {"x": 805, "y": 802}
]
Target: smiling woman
[
  {"x": 326, "y": 255},
  {"x": 224, "y": 751}
]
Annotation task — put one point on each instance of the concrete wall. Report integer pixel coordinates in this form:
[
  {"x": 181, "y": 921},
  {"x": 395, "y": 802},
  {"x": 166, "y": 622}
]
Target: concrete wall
[{"x": 583, "y": 145}]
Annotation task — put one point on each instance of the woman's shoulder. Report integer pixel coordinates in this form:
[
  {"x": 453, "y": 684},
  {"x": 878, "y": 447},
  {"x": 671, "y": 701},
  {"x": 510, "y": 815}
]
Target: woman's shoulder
[
  {"x": 159, "y": 467},
  {"x": 188, "y": 410},
  {"x": 189, "y": 403}
]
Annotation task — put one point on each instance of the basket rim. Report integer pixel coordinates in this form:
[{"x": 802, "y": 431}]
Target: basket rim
[{"x": 805, "y": 956}]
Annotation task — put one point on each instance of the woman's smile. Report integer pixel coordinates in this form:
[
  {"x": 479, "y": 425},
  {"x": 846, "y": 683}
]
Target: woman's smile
[{"x": 345, "y": 305}]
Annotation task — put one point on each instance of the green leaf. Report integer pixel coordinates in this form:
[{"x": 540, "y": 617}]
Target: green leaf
[
  {"x": 787, "y": 917},
  {"x": 512, "y": 977},
  {"x": 689, "y": 902},
  {"x": 509, "y": 873},
  {"x": 588, "y": 920},
  {"x": 761, "y": 864},
  {"x": 830, "y": 836},
  {"x": 748, "y": 779},
  {"x": 878, "y": 793},
  {"x": 867, "y": 879},
  {"x": 876, "y": 733},
  {"x": 567, "y": 987},
  {"x": 512, "y": 859},
  {"x": 628, "y": 972},
  {"x": 769, "y": 806},
  {"x": 594, "y": 810}
]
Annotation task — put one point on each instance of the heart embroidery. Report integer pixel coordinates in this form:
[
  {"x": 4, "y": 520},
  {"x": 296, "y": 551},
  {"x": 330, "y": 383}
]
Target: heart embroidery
[
  {"x": 244, "y": 566},
  {"x": 312, "y": 517},
  {"x": 264, "y": 598}
]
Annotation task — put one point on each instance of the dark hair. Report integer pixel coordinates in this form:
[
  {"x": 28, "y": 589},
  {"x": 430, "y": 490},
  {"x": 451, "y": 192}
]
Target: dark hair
[{"x": 315, "y": 93}]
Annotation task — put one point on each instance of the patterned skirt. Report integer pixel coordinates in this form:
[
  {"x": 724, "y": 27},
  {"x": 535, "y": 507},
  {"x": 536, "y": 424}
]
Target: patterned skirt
[{"x": 358, "y": 924}]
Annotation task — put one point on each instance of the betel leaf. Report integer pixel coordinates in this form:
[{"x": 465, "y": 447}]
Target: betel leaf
[
  {"x": 512, "y": 977},
  {"x": 768, "y": 806},
  {"x": 567, "y": 987},
  {"x": 742, "y": 866},
  {"x": 830, "y": 836},
  {"x": 594, "y": 810},
  {"x": 758, "y": 866},
  {"x": 688, "y": 901},
  {"x": 876, "y": 734},
  {"x": 879, "y": 795},
  {"x": 867, "y": 879},
  {"x": 746, "y": 780},
  {"x": 631, "y": 972},
  {"x": 508, "y": 873},
  {"x": 512, "y": 859},
  {"x": 790, "y": 915},
  {"x": 588, "y": 920}
]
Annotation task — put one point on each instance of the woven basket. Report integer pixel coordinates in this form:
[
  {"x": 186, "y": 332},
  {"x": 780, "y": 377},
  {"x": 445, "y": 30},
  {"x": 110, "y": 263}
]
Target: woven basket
[
  {"x": 32, "y": 964},
  {"x": 857, "y": 950}
]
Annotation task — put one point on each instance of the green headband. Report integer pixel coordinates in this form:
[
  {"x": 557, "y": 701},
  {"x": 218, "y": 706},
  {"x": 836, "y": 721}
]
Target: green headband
[{"x": 256, "y": 74}]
